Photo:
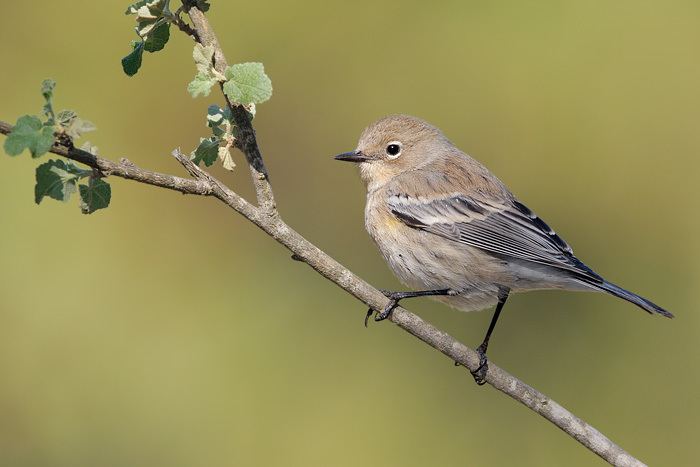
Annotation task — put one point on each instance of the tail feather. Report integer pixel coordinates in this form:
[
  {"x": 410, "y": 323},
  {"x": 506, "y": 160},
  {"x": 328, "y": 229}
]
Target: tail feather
[{"x": 641, "y": 302}]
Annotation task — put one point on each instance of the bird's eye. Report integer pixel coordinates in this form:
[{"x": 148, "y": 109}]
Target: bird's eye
[{"x": 393, "y": 150}]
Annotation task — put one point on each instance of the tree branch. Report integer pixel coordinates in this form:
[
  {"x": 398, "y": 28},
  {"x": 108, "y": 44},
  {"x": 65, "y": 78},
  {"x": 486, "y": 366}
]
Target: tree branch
[
  {"x": 266, "y": 217},
  {"x": 205, "y": 184},
  {"x": 245, "y": 140}
]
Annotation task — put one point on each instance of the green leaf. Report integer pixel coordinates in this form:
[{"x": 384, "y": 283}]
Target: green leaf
[
  {"x": 203, "y": 57},
  {"x": 64, "y": 117},
  {"x": 158, "y": 37},
  {"x": 132, "y": 62},
  {"x": 134, "y": 7},
  {"x": 202, "y": 5},
  {"x": 145, "y": 9},
  {"x": 73, "y": 125},
  {"x": 207, "y": 151},
  {"x": 149, "y": 14},
  {"x": 247, "y": 83},
  {"x": 29, "y": 133},
  {"x": 206, "y": 75},
  {"x": 215, "y": 115},
  {"x": 201, "y": 84},
  {"x": 95, "y": 195},
  {"x": 153, "y": 19},
  {"x": 56, "y": 179},
  {"x": 70, "y": 171}
]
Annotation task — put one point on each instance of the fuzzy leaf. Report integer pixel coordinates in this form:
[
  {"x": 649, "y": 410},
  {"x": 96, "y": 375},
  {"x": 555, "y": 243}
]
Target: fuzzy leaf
[
  {"x": 29, "y": 133},
  {"x": 201, "y": 84},
  {"x": 207, "y": 151},
  {"x": 247, "y": 83},
  {"x": 203, "y": 5},
  {"x": 64, "y": 117},
  {"x": 95, "y": 195},
  {"x": 73, "y": 125},
  {"x": 150, "y": 16},
  {"x": 134, "y": 7},
  {"x": 215, "y": 115},
  {"x": 132, "y": 62},
  {"x": 206, "y": 76},
  {"x": 224, "y": 153},
  {"x": 158, "y": 37},
  {"x": 147, "y": 9},
  {"x": 56, "y": 179},
  {"x": 203, "y": 57}
]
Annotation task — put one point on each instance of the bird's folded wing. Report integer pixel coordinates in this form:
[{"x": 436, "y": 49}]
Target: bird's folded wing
[{"x": 504, "y": 227}]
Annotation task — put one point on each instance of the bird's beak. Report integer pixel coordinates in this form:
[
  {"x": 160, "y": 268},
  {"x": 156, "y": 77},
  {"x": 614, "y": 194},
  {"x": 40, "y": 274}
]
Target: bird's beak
[{"x": 353, "y": 156}]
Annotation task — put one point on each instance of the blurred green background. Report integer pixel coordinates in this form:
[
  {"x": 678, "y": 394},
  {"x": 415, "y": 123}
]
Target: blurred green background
[{"x": 168, "y": 331}]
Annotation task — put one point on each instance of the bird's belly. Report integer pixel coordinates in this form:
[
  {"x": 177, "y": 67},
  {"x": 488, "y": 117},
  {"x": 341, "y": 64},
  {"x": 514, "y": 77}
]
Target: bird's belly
[{"x": 423, "y": 261}]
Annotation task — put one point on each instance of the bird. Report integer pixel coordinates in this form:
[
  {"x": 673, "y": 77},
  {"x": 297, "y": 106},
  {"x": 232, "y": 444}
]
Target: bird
[{"x": 450, "y": 229}]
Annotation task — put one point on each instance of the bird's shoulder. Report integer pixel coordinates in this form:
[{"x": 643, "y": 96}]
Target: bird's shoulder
[{"x": 451, "y": 174}]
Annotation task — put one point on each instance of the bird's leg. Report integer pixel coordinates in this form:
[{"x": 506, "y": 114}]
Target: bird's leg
[
  {"x": 396, "y": 297},
  {"x": 480, "y": 373}
]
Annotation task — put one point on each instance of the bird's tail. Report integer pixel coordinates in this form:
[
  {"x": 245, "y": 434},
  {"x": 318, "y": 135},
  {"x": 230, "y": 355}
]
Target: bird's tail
[{"x": 641, "y": 302}]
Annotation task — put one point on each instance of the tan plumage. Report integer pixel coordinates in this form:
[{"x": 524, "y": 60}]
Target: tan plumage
[{"x": 443, "y": 221}]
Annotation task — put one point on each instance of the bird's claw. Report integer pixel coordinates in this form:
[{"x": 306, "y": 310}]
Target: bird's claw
[
  {"x": 393, "y": 303},
  {"x": 480, "y": 373},
  {"x": 369, "y": 313},
  {"x": 393, "y": 297}
]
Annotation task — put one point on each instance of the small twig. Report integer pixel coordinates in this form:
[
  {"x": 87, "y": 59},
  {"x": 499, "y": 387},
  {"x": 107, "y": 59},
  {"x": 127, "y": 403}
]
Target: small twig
[
  {"x": 190, "y": 166},
  {"x": 182, "y": 25}
]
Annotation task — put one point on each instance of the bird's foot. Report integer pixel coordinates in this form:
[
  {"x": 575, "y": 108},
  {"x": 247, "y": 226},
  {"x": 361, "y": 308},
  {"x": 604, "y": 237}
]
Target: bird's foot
[
  {"x": 394, "y": 299},
  {"x": 480, "y": 373}
]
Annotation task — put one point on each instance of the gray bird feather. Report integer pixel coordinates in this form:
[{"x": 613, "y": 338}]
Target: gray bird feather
[{"x": 508, "y": 228}]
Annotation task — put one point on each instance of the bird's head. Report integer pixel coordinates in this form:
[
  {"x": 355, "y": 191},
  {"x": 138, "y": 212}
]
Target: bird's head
[{"x": 394, "y": 145}]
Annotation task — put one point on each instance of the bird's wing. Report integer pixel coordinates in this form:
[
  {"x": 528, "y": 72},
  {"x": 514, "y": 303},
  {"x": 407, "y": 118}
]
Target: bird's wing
[{"x": 505, "y": 227}]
